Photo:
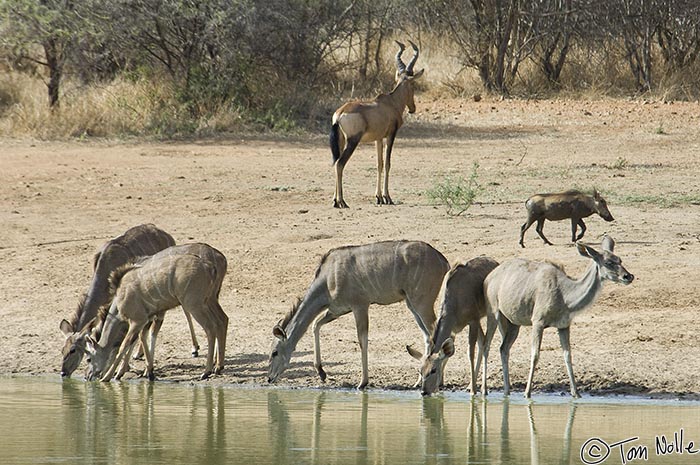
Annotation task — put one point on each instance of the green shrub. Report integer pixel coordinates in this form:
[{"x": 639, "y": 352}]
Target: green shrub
[{"x": 455, "y": 192}]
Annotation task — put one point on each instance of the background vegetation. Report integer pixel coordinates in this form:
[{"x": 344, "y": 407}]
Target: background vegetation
[{"x": 202, "y": 67}]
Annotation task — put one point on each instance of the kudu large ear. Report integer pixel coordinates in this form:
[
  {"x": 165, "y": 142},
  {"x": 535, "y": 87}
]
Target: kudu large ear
[
  {"x": 586, "y": 251},
  {"x": 414, "y": 353},
  {"x": 279, "y": 333},
  {"x": 66, "y": 328},
  {"x": 447, "y": 349},
  {"x": 418, "y": 74},
  {"x": 608, "y": 244}
]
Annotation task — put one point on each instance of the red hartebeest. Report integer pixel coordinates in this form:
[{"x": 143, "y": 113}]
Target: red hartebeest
[{"x": 373, "y": 121}]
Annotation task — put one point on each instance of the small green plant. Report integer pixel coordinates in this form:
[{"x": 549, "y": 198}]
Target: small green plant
[
  {"x": 660, "y": 129},
  {"x": 455, "y": 192},
  {"x": 620, "y": 164}
]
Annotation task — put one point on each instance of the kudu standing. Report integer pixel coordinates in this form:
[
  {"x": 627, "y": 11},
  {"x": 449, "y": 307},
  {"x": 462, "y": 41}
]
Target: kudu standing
[
  {"x": 139, "y": 241},
  {"x": 571, "y": 204},
  {"x": 350, "y": 279},
  {"x": 373, "y": 121},
  {"x": 189, "y": 275},
  {"x": 539, "y": 294},
  {"x": 462, "y": 304}
]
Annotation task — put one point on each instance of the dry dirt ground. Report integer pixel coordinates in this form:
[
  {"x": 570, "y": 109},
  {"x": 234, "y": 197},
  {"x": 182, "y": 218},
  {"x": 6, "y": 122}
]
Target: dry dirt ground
[{"x": 266, "y": 204}]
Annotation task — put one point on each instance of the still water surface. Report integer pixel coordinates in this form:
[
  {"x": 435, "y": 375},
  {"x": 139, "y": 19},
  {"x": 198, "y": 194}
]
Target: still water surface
[{"x": 45, "y": 420}]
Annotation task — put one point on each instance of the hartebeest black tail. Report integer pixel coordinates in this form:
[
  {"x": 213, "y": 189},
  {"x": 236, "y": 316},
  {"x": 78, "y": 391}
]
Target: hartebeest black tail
[{"x": 335, "y": 142}]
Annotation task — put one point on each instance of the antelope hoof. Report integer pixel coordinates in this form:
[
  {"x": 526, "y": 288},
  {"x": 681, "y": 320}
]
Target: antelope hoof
[
  {"x": 339, "y": 204},
  {"x": 205, "y": 375},
  {"x": 388, "y": 201},
  {"x": 321, "y": 373},
  {"x": 362, "y": 386},
  {"x": 218, "y": 370},
  {"x": 151, "y": 376},
  {"x": 195, "y": 353}
]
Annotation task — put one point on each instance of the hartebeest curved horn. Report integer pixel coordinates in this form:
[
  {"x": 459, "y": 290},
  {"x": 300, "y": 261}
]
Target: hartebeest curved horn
[
  {"x": 400, "y": 65},
  {"x": 409, "y": 68}
]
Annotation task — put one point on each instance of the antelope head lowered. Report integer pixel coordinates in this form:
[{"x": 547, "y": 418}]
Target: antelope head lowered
[{"x": 373, "y": 121}]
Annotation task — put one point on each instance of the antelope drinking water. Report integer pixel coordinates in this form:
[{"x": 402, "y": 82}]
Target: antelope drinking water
[
  {"x": 462, "y": 304},
  {"x": 373, "y": 121},
  {"x": 539, "y": 294},
  {"x": 572, "y": 204},
  {"x": 139, "y": 241},
  {"x": 188, "y": 275},
  {"x": 350, "y": 279}
]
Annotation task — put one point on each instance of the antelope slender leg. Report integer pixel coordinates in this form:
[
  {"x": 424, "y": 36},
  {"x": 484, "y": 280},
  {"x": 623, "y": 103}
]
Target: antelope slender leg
[
  {"x": 539, "y": 228},
  {"x": 149, "y": 349},
  {"x": 207, "y": 321},
  {"x": 350, "y": 147},
  {"x": 422, "y": 310},
  {"x": 124, "y": 366},
  {"x": 324, "y": 318},
  {"x": 379, "y": 144},
  {"x": 221, "y": 333},
  {"x": 509, "y": 332},
  {"x": 154, "y": 330},
  {"x": 491, "y": 323},
  {"x": 524, "y": 228},
  {"x": 362, "y": 323},
  {"x": 566, "y": 348},
  {"x": 476, "y": 336},
  {"x": 129, "y": 339},
  {"x": 387, "y": 167},
  {"x": 537, "y": 330},
  {"x": 195, "y": 343}
]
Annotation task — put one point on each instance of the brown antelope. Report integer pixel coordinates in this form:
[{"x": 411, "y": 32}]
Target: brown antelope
[
  {"x": 350, "y": 279},
  {"x": 139, "y": 241},
  {"x": 571, "y": 204},
  {"x": 462, "y": 304},
  {"x": 373, "y": 121},
  {"x": 539, "y": 294},
  {"x": 188, "y": 275}
]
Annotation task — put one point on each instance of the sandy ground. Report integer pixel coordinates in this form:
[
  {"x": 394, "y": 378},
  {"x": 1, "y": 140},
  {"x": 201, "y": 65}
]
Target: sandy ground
[{"x": 266, "y": 204}]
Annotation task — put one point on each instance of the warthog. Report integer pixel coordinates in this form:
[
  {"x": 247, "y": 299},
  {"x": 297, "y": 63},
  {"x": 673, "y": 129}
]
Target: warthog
[{"x": 571, "y": 204}]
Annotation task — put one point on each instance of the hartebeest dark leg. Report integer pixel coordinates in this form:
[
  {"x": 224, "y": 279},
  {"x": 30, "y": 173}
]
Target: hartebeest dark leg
[
  {"x": 350, "y": 147},
  {"x": 386, "y": 198}
]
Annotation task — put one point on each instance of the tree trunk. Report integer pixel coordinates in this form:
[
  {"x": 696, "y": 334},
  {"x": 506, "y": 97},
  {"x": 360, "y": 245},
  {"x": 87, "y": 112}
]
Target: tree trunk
[{"x": 54, "y": 63}]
